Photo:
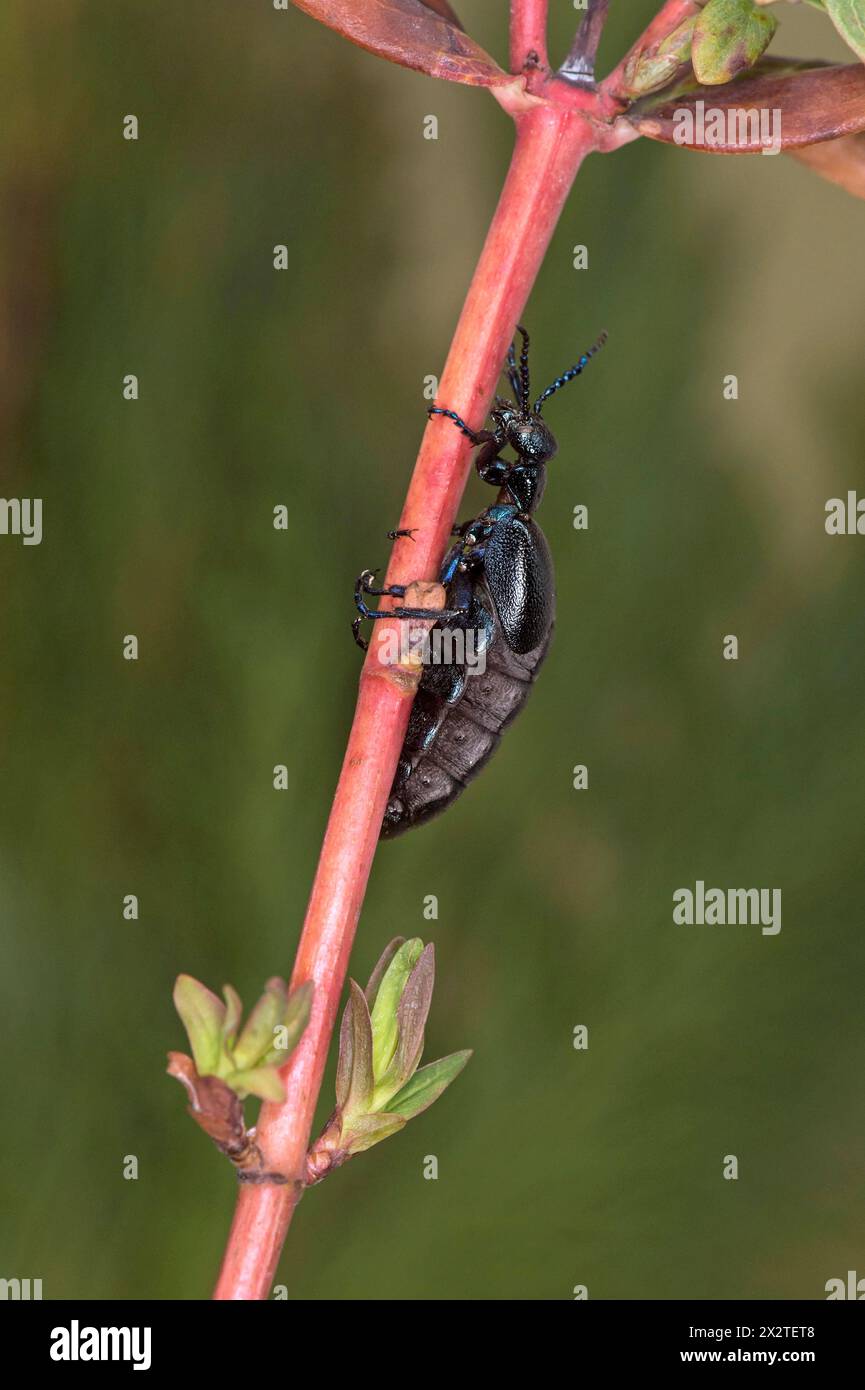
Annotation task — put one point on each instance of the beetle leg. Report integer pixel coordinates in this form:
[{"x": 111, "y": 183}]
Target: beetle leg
[
  {"x": 493, "y": 471},
  {"x": 364, "y": 585},
  {"x": 374, "y": 613},
  {"x": 476, "y": 436}
]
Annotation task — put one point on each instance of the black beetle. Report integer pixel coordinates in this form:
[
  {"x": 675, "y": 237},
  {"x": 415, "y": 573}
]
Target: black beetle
[{"x": 500, "y": 591}]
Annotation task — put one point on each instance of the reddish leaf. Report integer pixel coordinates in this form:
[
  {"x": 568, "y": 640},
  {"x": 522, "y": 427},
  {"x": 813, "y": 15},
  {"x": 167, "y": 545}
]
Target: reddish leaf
[
  {"x": 815, "y": 102},
  {"x": 211, "y": 1103},
  {"x": 427, "y": 37},
  {"x": 216, "y": 1108},
  {"x": 840, "y": 161},
  {"x": 443, "y": 8},
  {"x": 354, "y": 1078},
  {"x": 414, "y": 1007}
]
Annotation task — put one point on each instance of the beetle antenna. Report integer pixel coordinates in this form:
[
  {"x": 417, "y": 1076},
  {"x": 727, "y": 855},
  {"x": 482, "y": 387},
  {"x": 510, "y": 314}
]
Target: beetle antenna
[
  {"x": 524, "y": 369},
  {"x": 513, "y": 376},
  {"x": 571, "y": 372}
]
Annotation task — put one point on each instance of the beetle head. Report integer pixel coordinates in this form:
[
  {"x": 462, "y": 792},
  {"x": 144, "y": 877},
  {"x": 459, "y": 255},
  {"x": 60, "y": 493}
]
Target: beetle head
[
  {"x": 528, "y": 434},
  {"x": 519, "y": 421}
]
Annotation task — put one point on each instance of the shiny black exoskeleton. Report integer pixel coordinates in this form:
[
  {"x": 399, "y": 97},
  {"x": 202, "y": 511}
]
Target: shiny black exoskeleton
[{"x": 500, "y": 589}]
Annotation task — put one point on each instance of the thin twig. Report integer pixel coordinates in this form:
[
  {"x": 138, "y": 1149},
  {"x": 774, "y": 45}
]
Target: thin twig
[
  {"x": 528, "y": 34},
  {"x": 579, "y": 66}
]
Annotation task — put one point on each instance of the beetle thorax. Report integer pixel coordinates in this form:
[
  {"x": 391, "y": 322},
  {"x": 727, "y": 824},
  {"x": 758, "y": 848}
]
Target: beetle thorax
[{"x": 524, "y": 486}]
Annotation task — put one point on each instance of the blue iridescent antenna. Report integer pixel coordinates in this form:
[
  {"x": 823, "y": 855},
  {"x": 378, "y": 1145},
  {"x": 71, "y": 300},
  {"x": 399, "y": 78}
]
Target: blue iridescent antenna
[{"x": 571, "y": 372}]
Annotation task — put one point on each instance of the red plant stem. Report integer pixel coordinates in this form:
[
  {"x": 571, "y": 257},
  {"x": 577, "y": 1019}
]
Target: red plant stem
[
  {"x": 552, "y": 141},
  {"x": 557, "y": 126},
  {"x": 528, "y": 33}
]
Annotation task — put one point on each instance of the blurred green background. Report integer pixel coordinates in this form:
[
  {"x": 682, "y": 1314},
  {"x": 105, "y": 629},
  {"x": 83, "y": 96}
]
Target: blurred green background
[{"x": 556, "y": 1167}]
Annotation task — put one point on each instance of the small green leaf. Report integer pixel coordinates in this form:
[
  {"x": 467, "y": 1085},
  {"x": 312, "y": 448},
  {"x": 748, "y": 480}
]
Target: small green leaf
[
  {"x": 371, "y": 1104},
  {"x": 384, "y": 960},
  {"x": 354, "y": 1081},
  {"x": 385, "y": 1010},
  {"x": 427, "y": 1085},
  {"x": 367, "y": 1130},
  {"x": 257, "y": 1081},
  {"x": 652, "y": 69},
  {"x": 729, "y": 36},
  {"x": 287, "y": 1033},
  {"x": 848, "y": 16},
  {"x": 231, "y": 1021},
  {"x": 414, "y": 1010},
  {"x": 256, "y": 1038},
  {"x": 202, "y": 1014},
  {"x": 414, "y": 1007}
]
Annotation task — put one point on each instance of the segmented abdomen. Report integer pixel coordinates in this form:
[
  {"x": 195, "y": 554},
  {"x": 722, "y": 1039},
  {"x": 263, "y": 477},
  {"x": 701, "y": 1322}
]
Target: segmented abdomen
[{"x": 447, "y": 744}]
